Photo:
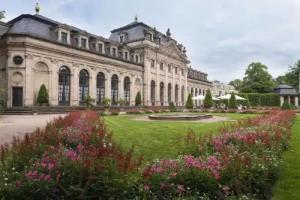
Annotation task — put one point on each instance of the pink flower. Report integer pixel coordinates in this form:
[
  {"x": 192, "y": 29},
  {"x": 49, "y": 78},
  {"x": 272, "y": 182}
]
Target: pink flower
[
  {"x": 180, "y": 188},
  {"x": 146, "y": 187}
]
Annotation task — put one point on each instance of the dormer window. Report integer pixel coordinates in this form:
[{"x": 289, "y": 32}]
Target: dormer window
[
  {"x": 161, "y": 66},
  {"x": 83, "y": 43},
  {"x": 126, "y": 55},
  {"x": 169, "y": 68},
  {"x": 152, "y": 63},
  {"x": 114, "y": 51},
  {"x": 121, "y": 38},
  {"x": 158, "y": 40},
  {"x": 100, "y": 47},
  {"x": 137, "y": 58},
  {"x": 151, "y": 37},
  {"x": 175, "y": 70},
  {"x": 64, "y": 37}
]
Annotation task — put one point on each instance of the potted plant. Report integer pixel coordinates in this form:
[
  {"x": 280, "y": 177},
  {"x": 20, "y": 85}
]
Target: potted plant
[
  {"x": 88, "y": 101},
  {"x": 106, "y": 104},
  {"x": 43, "y": 97}
]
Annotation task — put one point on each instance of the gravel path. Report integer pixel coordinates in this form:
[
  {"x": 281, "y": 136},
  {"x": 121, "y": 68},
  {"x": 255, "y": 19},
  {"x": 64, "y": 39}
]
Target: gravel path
[{"x": 18, "y": 125}]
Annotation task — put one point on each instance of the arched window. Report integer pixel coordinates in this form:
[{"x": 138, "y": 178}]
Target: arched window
[
  {"x": 169, "y": 92},
  {"x": 114, "y": 89},
  {"x": 127, "y": 89},
  {"x": 182, "y": 95},
  {"x": 83, "y": 85},
  {"x": 64, "y": 82},
  {"x": 100, "y": 87},
  {"x": 153, "y": 93},
  {"x": 176, "y": 94},
  {"x": 161, "y": 93}
]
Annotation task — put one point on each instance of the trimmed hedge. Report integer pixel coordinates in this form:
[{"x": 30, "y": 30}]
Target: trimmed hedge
[{"x": 267, "y": 99}]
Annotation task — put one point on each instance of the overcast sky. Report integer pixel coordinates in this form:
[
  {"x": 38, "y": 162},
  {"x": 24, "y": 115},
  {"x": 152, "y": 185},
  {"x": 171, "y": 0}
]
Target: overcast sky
[{"x": 221, "y": 36}]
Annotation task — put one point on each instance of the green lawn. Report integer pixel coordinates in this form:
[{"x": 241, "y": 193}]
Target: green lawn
[
  {"x": 157, "y": 139},
  {"x": 288, "y": 185}
]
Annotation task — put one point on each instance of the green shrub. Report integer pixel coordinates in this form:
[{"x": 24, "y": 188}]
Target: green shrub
[
  {"x": 232, "y": 102},
  {"x": 267, "y": 99},
  {"x": 208, "y": 102},
  {"x": 43, "y": 97},
  {"x": 138, "y": 99},
  {"x": 172, "y": 107},
  {"x": 189, "y": 103},
  {"x": 287, "y": 106},
  {"x": 106, "y": 102}
]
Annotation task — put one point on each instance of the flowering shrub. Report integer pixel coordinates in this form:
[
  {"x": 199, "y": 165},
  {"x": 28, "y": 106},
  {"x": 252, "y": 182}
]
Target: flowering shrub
[
  {"x": 74, "y": 157},
  {"x": 242, "y": 161}
]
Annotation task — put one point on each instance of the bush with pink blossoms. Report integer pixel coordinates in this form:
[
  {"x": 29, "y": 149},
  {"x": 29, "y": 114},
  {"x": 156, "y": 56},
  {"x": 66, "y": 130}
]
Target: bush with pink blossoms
[
  {"x": 73, "y": 158},
  {"x": 242, "y": 161}
]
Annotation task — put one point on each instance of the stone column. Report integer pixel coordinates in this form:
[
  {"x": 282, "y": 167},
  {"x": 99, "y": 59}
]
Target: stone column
[
  {"x": 289, "y": 99},
  {"x": 121, "y": 87},
  {"x": 92, "y": 86},
  {"x": 146, "y": 84},
  {"x": 53, "y": 88},
  {"x": 296, "y": 101},
  {"x": 27, "y": 89},
  {"x": 281, "y": 100},
  {"x": 74, "y": 101},
  {"x": 132, "y": 91},
  {"x": 108, "y": 85},
  {"x": 157, "y": 84}
]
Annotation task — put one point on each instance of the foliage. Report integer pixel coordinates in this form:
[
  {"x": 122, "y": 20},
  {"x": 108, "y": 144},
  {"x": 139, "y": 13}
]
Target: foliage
[
  {"x": 227, "y": 165},
  {"x": 88, "y": 101},
  {"x": 138, "y": 99},
  {"x": 232, "y": 102},
  {"x": 257, "y": 79},
  {"x": 291, "y": 77},
  {"x": 2, "y": 15},
  {"x": 237, "y": 84},
  {"x": 123, "y": 102},
  {"x": 43, "y": 97},
  {"x": 208, "y": 102},
  {"x": 73, "y": 157},
  {"x": 172, "y": 107},
  {"x": 189, "y": 103},
  {"x": 256, "y": 99},
  {"x": 106, "y": 102},
  {"x": 287, "y": 106}
]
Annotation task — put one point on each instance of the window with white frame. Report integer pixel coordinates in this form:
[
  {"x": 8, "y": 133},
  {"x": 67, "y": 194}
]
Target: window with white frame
[
  {"x": 152, "y": 63},
  {"x": 100, "y": 47},
  {"x": 114, "y": 51},
  {"x": 161, "y": 66},
  {"x": 169, "y": 68},
  {"x": 64, "y": 37},
  {"x": 83, "y": 43},
  {"x": 175, "y": 70},
  {"x": 121, "y": 38},
  {"x": 137, "y": 58},
  {"x": 126, "y": 55}
]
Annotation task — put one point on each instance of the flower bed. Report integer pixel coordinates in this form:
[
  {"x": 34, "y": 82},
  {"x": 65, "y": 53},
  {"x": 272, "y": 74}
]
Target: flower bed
[
  {"x": 242, "y": 161},
  {"x": 74, "y": 157}
]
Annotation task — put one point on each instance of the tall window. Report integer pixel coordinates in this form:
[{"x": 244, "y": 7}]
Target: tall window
[
  {"x": 161, "y": 93},
  {"x": 175, "y": 70},
  {"x": 64, "y": 81},
  {"x": 83, "y": 42},
  {"x": 161, "y": 66},
  {"x": 64, "y": 37},
  {"x": 126, "y": 55},
  {"x": 114, "y": 51},
  {"x": 127, "y": 89},
  {"x": 169, "y": 68},
  {"x": 182, "y": 72},
  {"x": 114, "y": 89},
  {"x": 176, "y": 94},
  {"x": 169, "y": 92},
  {"x": 83, "y": 85},
  {"x": 153, "y": 93},
  {"x": 100, "y": 87}
]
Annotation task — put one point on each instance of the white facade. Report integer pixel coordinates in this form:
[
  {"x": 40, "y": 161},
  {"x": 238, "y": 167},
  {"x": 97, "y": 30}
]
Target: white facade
[{"x": 220, "y": 89}]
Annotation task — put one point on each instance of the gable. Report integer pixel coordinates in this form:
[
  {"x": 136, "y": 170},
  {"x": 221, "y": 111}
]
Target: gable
[{"x": 171, "y": 49}]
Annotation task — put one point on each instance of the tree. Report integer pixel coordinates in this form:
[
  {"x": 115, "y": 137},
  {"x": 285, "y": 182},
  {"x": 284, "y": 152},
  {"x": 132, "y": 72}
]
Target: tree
[
  {"x": 236, "y": 83},
  {"x": 138, "y": 99},
  {"x": 257, "y": 79},
  {"x": 208, "y": 102},
  {"x": 43, "y": 97},
  {"x": 232, "y": 102},
  {"x": 189, "y": 102},
  {"x": 172, "y": 107},
  {"x": 2, "y": 15},
  {"x": 292, "y": 77}
]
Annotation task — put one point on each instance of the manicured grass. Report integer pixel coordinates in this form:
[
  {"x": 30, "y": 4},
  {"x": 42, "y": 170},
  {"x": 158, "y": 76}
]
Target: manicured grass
[
  {"x": 157, "y": 139},
  {"x": 288, "y": 185}
]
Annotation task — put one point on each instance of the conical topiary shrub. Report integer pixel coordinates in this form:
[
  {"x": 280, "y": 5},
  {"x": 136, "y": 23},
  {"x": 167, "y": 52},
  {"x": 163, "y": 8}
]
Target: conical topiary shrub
[
  {"x": 43, "y": 97},
  {"x": 208, "y": 102},
  {"x": 189, "y": 103},
  {"x": 138, "y": 99},
  {"x": 232, "y": 102}
]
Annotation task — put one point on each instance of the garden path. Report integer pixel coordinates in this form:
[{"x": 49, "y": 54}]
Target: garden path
[{"x": 18, "y": 125}]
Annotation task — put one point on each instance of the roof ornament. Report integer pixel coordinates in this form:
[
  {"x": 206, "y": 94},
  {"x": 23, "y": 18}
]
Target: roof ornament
[
  {"x": 136, "y": 19},
  {"x": 37, "y": 8},
  {"x": 168, "y": 33}
]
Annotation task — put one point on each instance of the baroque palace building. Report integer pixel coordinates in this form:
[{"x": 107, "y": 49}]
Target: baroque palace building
[{"x": 73, "y": 64}]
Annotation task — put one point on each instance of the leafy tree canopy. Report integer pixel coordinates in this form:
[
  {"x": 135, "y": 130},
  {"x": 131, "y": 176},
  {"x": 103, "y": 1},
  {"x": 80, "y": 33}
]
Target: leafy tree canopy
[
  {"x": 257, "y": 79},
  {"x": 2, "y": 15},
  {"x": 236, "y": 83},
  {"x": 291, "y": 77}
]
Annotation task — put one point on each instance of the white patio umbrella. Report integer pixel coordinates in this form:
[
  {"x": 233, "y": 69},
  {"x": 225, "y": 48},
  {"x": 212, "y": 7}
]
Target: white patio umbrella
[
  {"x": 199, "y": 97},
  {"x": 215, "y": 99},
  {"x": 227, "y": 97}
]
